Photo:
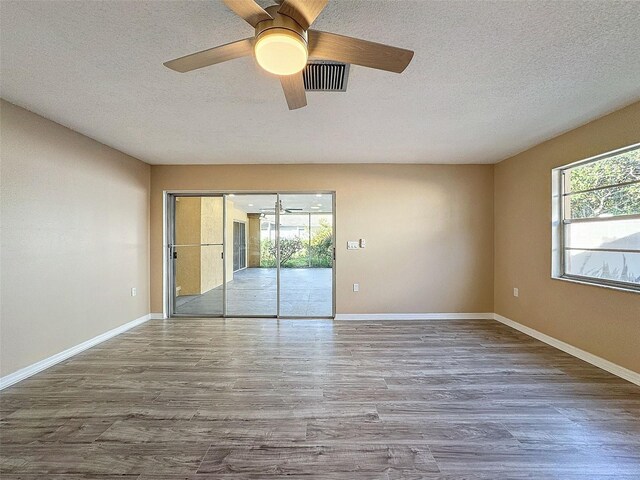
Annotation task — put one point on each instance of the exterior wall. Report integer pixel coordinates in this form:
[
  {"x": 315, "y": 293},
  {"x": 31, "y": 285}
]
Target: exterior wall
[
  {"x": 188, "y": 212},
  {"x": 75, "y": 238},
  {"x": 199, "y": 221},
  {"x": 211, "y": 263},
  {"x": 602, "y": 321},
  {"x": 429, "y": 229}
]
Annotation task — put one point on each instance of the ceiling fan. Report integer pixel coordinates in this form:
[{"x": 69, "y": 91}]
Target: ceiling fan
[
  {"x": 283, "y": 43},
  {"x": 285, "y": 210},
  {"x": 281, "y": 208}
]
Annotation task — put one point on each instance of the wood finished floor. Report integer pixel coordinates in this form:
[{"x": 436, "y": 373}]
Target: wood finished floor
[{"x": 261, "y": 399}]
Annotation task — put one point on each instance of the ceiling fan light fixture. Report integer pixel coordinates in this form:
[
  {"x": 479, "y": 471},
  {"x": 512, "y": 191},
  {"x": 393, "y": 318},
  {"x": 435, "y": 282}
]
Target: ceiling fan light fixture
[{"x": 281, "y": 51}]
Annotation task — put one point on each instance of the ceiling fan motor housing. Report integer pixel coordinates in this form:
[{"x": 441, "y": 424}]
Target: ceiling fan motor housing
[
  {"x": 282, "y": 23},
  {"x": 280, "y": 45}
]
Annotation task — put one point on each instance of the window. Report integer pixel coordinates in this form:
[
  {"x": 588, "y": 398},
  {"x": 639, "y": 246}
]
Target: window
[{"x": 596, "y": 220}]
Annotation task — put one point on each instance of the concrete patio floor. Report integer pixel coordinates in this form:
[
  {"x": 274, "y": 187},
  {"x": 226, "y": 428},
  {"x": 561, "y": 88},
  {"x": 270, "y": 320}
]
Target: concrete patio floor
[{"x": 304, "y": 292}]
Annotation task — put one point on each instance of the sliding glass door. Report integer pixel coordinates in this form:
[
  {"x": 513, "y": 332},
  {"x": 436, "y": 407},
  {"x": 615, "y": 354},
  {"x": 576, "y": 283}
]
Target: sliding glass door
[
  {"x": 252, "y": 282},
  {"x": 239, "y": 246},
  {"x": 196, "y": 255},
  {"x": 306, "y": 255},
  {"x": 251, "y": 254}
]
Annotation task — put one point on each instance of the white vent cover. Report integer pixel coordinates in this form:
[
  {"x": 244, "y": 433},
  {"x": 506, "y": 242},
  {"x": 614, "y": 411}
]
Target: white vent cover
[{"x": 325, "y": 76}]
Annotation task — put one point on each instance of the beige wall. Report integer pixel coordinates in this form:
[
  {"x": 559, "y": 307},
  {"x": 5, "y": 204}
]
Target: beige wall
[
  {"x": 601, "y": 321},
  {"x": 429, "y": 229},
  {"x": 74, "y": 238}
]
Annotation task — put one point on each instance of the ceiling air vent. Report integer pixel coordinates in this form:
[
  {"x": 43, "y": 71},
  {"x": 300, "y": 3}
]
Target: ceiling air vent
[{"x": 326, "y": 77}]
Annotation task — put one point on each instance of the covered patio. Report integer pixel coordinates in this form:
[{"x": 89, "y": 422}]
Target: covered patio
[{"x": 304, "y": 292}]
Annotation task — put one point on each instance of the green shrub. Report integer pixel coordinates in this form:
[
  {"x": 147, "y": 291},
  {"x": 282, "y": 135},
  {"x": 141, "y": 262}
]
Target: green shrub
[
  {"x": 322, "y": 246},
  {"x": 296, "y": 253},
  {"x": 290, "y": 248},
  {"x": 266, "y": 259}
]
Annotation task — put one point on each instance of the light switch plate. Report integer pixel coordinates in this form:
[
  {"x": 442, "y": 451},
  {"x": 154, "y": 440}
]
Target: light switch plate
[
  {"x": 352, "y": 245},
  {"x": 356, "y": 287},
  {"x": 362, "y": 243}
]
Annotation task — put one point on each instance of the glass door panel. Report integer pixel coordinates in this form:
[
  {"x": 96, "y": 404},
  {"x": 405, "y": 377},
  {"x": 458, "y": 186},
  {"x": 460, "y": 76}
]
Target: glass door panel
[
  {"x": 306, "y": 255},
  {"x": 251, "y": 268},
  {"x": 198, "y": 285},
  {"x": 197, "y": 256}
]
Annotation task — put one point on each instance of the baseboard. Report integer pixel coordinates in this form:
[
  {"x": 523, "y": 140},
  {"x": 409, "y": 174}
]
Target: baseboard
[
  {"x": 414, "y": 316},
  {"x": 625, "y": 373},
  {"x": 26, "y": 372},
  {"x": 156, "y": 316}
]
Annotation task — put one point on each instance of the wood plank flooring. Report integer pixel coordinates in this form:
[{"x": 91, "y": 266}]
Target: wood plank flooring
[{"x": 263, "y": 399}]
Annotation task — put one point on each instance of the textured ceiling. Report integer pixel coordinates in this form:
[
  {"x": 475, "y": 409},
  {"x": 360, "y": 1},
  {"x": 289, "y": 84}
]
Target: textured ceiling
[{"x": 489, "y": 79}]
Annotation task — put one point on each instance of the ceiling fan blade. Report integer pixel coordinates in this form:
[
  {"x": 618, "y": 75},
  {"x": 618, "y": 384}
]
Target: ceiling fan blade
[
  {"x": 302, "y": 11},
  {"x": 293, "y": 86},
  {"x": 205, "y": 58},
  {"x": 249, "y": 10},
  {"x": 330, "y": 46}
]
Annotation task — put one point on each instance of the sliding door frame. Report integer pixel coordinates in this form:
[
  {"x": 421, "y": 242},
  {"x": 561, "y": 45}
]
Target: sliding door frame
[
  {"x": 169, "y": 244},
  {"x": 169, "y": 239}
]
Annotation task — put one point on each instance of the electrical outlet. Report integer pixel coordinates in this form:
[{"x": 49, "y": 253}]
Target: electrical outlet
[
  {"x": 356, "y": 287},
  {"x": 516, "y": 292},
  {"x": 134, "y": 292}
]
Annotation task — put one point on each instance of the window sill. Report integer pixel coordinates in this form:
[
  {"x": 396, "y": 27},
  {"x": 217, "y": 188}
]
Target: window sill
[{"x": 596, "y": 284}]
